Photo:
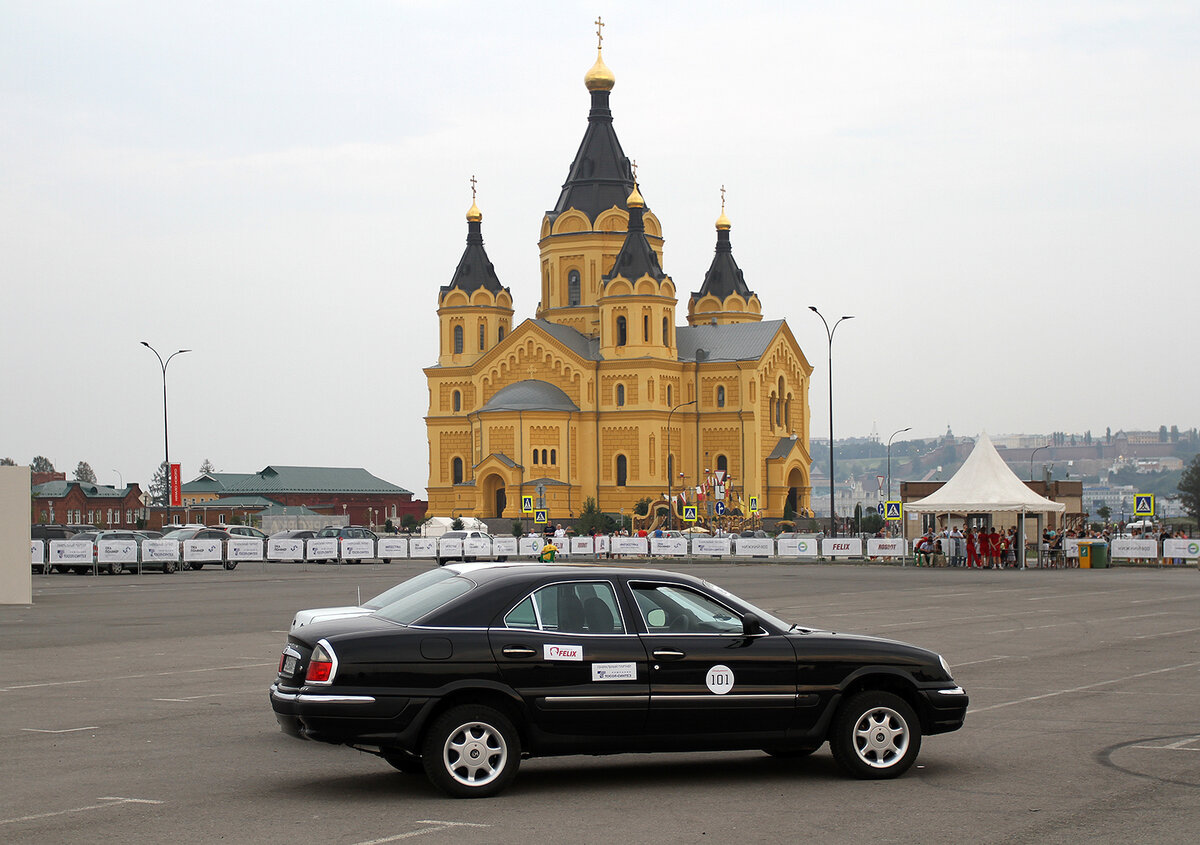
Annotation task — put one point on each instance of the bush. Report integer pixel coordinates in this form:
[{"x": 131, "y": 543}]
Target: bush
[
  {"x": 642, "y": 507},
  {"x": 457, "y": 525},
  {"x": 517, "y": 527}
]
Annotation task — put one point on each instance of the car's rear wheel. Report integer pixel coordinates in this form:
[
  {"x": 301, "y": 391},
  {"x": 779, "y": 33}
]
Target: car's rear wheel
[
  {"x": 405, "y": 762},
  {"x": 875, "y": 735},
  {"x": 115, "y": 569},
  {"x": 471, "y": 751},
  {"x": 196, "y": 565},
  {"x": 231, "y": 564},
  {"x": 168, "y": 567}
]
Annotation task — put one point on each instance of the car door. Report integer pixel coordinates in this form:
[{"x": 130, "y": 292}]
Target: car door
[
  {"x": 566, "y": 649},
  {"x": 706, "y": 675}
]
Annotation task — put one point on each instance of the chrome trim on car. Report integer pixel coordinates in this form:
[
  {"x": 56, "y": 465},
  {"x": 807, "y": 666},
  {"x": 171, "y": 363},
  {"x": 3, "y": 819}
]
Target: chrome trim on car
[
  {"x": 276, "y": 693},
  {"x": 785, "y": 696},
  {"x": 333, "y": 658},
  {"x": 953, "y": 691},
  {"x": 537, "y": 613},
  {"x": 310, "y": 698},
  {"x": 594, "y": 699}
]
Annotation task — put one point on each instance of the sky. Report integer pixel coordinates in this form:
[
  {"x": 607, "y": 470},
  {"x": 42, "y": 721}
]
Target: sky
[{"x": 1004, "y": 195}]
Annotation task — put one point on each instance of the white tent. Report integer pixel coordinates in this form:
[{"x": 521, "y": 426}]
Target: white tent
[{"x": 984, "y": 484}]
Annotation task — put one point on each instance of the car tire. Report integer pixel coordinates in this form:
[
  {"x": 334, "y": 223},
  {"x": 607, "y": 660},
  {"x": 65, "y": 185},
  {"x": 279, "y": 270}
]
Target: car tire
[
  {"x": 231, "y": 564},
  {"x": 169, "y": 567},
  {"x": 471, "y": 751},
  {"x": 789, "y": 753},
  {"x": 403, "y": 761},
  {"x": 115, "y": 569},
  {"x": 196, "y": 566},
  {"x": 876, "y": 735}
]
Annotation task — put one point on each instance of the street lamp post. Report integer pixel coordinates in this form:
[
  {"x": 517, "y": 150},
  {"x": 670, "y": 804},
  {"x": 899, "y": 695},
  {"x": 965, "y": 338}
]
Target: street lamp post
[
  {"x": 1031, "y": 454},
  {"x": 829, "y": 332},
  {"x": 889, "y": 459},
  {"x": 166, "y": 440},
  {"x": 670, "y": 500}
]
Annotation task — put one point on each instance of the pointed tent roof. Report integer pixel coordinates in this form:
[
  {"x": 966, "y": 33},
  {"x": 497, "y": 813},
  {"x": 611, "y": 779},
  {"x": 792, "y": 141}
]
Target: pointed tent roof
[
  {"x": 600, "y": 175},
  {"x": 724, "y": 277},
  {"x": 984, "y": 484},
  {"x": 636, "y": 257},
  {"x": 474, "y": 270}
]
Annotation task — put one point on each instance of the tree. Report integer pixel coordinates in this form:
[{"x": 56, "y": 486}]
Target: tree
[
  {"x": 40, "y": 464},
  {"x": 1104, "y": 512},
  {"x": 642, "y": 506},
  {"x": 457, "y": 525},
  {"x": 84, "y": 472},
  {"x": 590, "y": 518},
  {"x": 872, "y": 522},
  {"x": 160, "y": 485},
  {"x": 207, "y": 467},
  {"x": 7, "y": 462},
  {"x": 1189, "y": 487}
]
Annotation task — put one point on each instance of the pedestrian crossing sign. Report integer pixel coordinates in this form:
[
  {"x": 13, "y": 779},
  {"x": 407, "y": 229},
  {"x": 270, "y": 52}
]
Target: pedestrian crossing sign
[
  {"x": 527, "y": 504},
  {"x": 753, "y": 503},
  {"x": 1143, "y": 505},
  {"x": 541, "y": 517},
  {"x": 689, "y": 513},
  {"x": 893, "y": 511}
]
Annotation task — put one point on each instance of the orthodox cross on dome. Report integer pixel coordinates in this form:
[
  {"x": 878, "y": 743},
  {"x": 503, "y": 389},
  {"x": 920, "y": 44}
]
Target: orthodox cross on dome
[
  {"x": 473, "y": 189},
  {"x": 599, "y": 32},
  {"x": 633, "y": 167},
  {"x": 722, "y": 199}
]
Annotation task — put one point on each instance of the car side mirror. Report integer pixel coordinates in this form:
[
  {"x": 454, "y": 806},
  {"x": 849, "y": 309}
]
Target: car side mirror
[{"x": 751, "y": 625}]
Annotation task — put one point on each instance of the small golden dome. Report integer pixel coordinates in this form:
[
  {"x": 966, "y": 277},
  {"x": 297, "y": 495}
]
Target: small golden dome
[
  {"x": 599, "y": 78},
  {"x": 723, "y": 221},
  {"x": 635, "y": 199},
  {"x": 474, "y": 215}
]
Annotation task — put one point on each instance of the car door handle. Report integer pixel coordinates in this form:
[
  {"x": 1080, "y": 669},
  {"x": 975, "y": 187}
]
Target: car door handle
[
  {"x": 668, "y": 654},
  {"x": 519, "y": 651}
]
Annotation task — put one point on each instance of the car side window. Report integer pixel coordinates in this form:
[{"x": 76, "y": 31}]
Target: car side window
[
  {"x": 576, "y": 608},
  {"x": 672, "y": 609}
]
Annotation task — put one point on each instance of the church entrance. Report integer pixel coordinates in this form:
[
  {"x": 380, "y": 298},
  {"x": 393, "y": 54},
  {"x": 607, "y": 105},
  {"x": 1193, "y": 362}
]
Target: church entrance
[
  {"x": 501, "y": 501},
  {"x": 794, "y": 501},
  {"x": 495, "y": 498}
]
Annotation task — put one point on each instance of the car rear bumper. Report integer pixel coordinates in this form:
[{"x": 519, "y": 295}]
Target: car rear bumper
[
  {"x": 343, "y": 718},
  {"x": 947, "y": 709}
]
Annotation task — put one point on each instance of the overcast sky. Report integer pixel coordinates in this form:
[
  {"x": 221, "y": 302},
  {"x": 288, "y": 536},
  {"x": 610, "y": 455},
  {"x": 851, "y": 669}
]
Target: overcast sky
[{"x": 1005, "y": 195}]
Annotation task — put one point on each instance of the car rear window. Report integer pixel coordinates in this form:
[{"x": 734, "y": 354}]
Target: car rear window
[
  {"x": 428, "y": 598},
  {"x": 407, "y": 588}
]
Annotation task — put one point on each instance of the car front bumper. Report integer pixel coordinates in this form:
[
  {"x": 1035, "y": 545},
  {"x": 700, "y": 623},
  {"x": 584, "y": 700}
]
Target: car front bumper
[{"x": 947, "y": 709}]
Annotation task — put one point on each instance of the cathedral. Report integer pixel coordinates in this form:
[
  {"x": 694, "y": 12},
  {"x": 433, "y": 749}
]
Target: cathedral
[{"x": 601, "y": 395}]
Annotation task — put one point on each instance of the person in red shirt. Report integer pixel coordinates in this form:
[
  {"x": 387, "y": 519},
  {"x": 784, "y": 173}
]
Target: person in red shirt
[
  {"x": 972, "y": 549},
  {"x": 993, "y": 540}
]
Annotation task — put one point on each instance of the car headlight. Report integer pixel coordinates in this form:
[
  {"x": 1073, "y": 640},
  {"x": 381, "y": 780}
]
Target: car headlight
[{"x": 946, "y": 667}]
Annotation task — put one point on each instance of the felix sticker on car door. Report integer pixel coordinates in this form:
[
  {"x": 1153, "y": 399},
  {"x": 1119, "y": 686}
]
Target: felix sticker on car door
[{"x": 562, "y": 652}]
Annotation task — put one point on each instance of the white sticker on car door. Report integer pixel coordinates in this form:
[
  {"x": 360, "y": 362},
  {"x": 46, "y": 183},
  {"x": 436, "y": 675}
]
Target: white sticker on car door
[
  {"x": 614, "y": 671},
  {"x": 562, "y": 652},
  {"x": 719, "y": 679}
]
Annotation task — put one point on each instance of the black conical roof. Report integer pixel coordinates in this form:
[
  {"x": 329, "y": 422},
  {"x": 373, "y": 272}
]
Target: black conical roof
[
  {"x": 600, "y": 175},
  {"x": 474, "y": 270},
  {"x": 636, "y": 258},
  {"x": 724, "y": 276}
]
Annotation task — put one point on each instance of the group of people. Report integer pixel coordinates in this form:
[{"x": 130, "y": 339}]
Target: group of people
[{"x": 985, "y": 548}]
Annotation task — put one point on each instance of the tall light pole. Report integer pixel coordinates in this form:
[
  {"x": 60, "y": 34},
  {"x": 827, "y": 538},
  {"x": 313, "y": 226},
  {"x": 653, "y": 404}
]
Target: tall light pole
[
  {"x": 670, "y": 465},
  {"x": 901, "y": 431},
  {"x": 166, "y": 439},
  {"x": 1031, "y": 454},
  {"x": 829, "y": 332}
]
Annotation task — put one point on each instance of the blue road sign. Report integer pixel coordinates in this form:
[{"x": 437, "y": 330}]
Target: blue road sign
[
  {"x": 720, "y": 508},
  {"x": 1143, "y": 505},
  {"x": 689, "y": 513},
  {"x": 892, "y": 511}
]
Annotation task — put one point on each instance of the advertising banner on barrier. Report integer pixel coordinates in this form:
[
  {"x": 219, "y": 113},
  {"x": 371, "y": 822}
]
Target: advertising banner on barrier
[
  {"x": 37, "y": 552},
  {"x": 531, "y": 546},
  {"x": 717, "y": 546},
  {"x": 582, "y": 546},
  {"x": 885, "y": 547},
  {"x": 630, "y": 546},
  {"x": 754, "y": 546},
  {"x": 789, "y": 547},
  {"x": 244, "y": 549},
  {"x": 359, "y": 548},
  {"x": 668, "y": 546},
  {"x": 477, "y": 547},
  {"x": 70, "y": 551},
  {"x": 322, "y": 548},
  {"x": 1070, "y": 546},
  {"x": 1188, "y": 549},
  {"x": 284, "y": 549},
  {"x": 841, "y": 547},
  {"x": 422, "y": 547},
  {"x": 1123, "y": 548},
  {"x": 392, "y": 547},
  {"x": 117, "y": 551},
  {"x": 450, "y": 548},
  {"x": 807, "y": 547},
  {"x": 504, "y": 546},
  {"x": 603, "y": 543},
  {"x": 202, "y": 551},
  {"x": 160, "y": 550}
]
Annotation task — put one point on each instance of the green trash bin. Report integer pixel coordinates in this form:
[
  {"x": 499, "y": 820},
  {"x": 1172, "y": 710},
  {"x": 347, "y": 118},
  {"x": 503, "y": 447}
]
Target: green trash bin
[{"x": 1095, "y": 552}]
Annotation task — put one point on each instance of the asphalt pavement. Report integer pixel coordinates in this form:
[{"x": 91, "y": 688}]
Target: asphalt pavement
[{"x": 134, "y": 709}]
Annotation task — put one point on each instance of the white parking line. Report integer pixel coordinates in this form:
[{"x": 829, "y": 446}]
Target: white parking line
[
  {"x": 135, "y": 677},
  {"x": 112, "y": 801},
  {"x": 1061, "y": 624},
  {"x": 437, "y": 826},
  {"x": 1167, "y": 633},
  {"x": 985, "y": 660},
  {"x": 193, "y": 697},
  {"x": 63, "y": 731},
  {"x": 1084, "y": 688}
]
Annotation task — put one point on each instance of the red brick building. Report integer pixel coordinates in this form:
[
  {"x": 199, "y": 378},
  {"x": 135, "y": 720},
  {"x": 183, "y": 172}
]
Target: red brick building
[{"x": 84, "y": 503}]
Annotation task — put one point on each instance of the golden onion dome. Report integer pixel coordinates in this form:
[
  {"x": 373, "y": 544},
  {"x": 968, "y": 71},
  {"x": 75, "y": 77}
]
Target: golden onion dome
[
  {"x": 635, "y": 199},
  {"x": 599, "y": 78},
  {"x": 723, "y": 221},
  {"x": 474, "y": 215}
]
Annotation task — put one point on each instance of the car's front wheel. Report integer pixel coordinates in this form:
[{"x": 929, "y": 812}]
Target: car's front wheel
[
  {"x": 115, "y": 569},
  {"x": 471, "y": 751},
  {"x": 168, "y": 567},
  {"x": 875, "y": 735}
]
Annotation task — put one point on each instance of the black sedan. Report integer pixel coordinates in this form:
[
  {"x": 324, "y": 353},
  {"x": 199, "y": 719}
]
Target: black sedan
[{"x": 466, "y": 673}]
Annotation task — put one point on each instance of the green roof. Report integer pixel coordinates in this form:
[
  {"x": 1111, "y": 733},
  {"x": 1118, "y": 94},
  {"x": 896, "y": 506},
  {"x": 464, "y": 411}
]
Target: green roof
[
  {"x": 246, "y": 502},
  {"x": 289, "y": 510},
  {"x": 280, "y": 479},
  {"x": 214, "y": 482}
]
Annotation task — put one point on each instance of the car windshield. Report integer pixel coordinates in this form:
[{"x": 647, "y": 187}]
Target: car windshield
[
  {"x": 180, "y": 534},
  {"x": 427, "y": 598}
]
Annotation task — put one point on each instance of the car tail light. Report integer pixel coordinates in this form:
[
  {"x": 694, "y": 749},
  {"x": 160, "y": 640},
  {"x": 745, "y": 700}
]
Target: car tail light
[{"x": 322, "y": 665}]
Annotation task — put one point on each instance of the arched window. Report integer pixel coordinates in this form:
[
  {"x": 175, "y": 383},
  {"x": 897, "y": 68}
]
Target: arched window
[
  {"x": 620, "y": 394},
  {"x": 543, "y": 456},
  {"x": 535, "y": 456},
  {"x": 456, "y": 470},
  {"x": 573, "y": 288},
  {"x": 482, "y": 336},
  {"x": 668, "y": 394},
  {"x": 645, "y": 328},
  {"x": 666, "y": 332},
  {"x": 622, "y": 470},
  {"x": 554, "y": 457},
  {"x": 787, "y": 414},
  {"x": 457, "y": 401},
  {"x": 458, "y": 340},
  {"x": 621, "y": 332},
  {"x": 778, "y": 408},
  {"x": 501, "y": 333},
  {"x": 722, "y": 464},
  {"x": 720, "y": 396}
]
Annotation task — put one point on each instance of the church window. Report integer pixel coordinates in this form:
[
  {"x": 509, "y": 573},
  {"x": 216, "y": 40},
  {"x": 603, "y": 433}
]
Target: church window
[
  {"x": 621, "y": 333},
  {"x": 573, "y": 288},
  {"x": 457, "y": 403},
  {"x": 666, "y": 332},
  {"x": 622, "y": 471},
  {"x": 458, "y": 340},
  {"x": 620, "y": 395},
  {"x": 720, "y": 396},
  {"x": 668, "y": 394},
  {"x": 535, "y": 456},
  {"x": 543, "y": 456},
  {"x": 482, "y": 336},
  {"x": 554, "y": 457},
  {"x": 645, "y": 329},
  {"x": 501, "y": 332},
  {"x": 456, "y": 471},
  {"x": 787, "y": 414},
  {"x": 722, "y": 463}
]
